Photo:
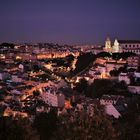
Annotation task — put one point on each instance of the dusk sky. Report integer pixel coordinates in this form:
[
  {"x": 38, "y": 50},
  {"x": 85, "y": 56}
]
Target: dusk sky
[{"x": 69, "y": 21}]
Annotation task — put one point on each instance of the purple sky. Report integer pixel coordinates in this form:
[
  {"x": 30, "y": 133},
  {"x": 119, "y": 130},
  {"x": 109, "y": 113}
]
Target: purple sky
[{"x": 69, "y": 21}]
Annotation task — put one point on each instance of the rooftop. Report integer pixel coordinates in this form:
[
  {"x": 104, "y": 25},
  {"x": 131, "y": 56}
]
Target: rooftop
[{"x": 129, "y": 41}]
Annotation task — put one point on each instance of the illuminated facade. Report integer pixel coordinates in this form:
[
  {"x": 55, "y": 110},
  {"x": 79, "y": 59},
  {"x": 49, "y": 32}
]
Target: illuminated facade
[
  {"x": 56, "y": 54},
  {"x": 130, "y": 46},
  {"x": 108, "y": 45},
  {"x": 116, "y": 48}
]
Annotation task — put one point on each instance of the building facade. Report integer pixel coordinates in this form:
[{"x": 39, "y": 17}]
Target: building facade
[
  {"x": 130, "y": 46},
  {"x": 116, "y": 48}
]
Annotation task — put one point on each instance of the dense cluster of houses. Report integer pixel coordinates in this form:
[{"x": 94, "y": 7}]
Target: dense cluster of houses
[{"x": 23, "y": 92}]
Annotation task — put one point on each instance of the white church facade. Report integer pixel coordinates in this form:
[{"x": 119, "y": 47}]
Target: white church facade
[{"x": 116, "y": 48}]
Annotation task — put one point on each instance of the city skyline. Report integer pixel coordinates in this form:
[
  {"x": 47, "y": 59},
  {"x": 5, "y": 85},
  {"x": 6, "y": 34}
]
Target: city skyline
[
  {"x": 69, "y": 22},
  {"x": 69, "y": 70}
]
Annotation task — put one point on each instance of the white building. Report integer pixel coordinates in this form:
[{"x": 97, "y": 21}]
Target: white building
[
  {"x": 107, "y": 99},
  {"x": 52, "y": 97},
  {"x": 130, "y": 46},
  {"x": 16, "y": 79},
  {"x": 112, "y": 111},
  {"x": 108, "y": 45},
  {"x": 116, "y": 48},
  {"x": 133, "y": 62},
  {"x": 109, "y": 102},
  {"x": 137, "y": 75}
]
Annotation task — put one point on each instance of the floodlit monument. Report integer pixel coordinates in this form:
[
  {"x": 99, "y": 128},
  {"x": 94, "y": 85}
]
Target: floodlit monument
[{"x": 116, "y": 48}]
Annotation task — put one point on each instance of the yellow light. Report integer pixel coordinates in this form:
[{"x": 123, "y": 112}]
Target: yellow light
[{"x": 18, "y": 57}]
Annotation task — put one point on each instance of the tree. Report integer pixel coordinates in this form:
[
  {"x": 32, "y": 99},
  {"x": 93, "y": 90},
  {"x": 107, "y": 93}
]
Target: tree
[
  {"x": 116, "y": 56},
  {"x": 36, "y": 93},
  {"x": 99, "y": 87},
  {"x": 19, "y": 129},
  {"x": 130, "y": 131},
  {"x": 36, "y": 68},
  {"x": 81, "y": 86},
  {"x": 123, "y": 55},
  {"x": 80, "y": 126},
  {"x": 69, "y": 59},
  {"x": 84, "y": 60},
  {"x": 129, "y": 125},
  {"x": 9, "y": 45},
  {"x": 114, "y": 72},
  {"x": 106, "y": 87},
  {"x": 44, "y": 77},
  {"x": 103, "y": 54},
  {"x": 46, "y": 124}
]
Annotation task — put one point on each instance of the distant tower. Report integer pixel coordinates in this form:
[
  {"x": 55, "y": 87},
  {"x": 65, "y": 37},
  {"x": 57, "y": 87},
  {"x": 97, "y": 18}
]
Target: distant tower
[
  {"x": 108, "y": 45},
  {"x": 116, "y": 48}
]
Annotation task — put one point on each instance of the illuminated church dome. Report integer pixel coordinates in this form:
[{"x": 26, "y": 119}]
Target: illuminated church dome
[
  {"x": 116, "y": 48},
  {"x": 107, "y": 45}
]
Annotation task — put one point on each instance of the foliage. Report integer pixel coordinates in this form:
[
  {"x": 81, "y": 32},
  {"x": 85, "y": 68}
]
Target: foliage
[
  {"x": 36, "y": 93},
  {"x": 44, "y": 77},
  {"x": 59, "y": 61},
  {"x": 80, "y": 126},
  {"x": 19, "y": 129},
  {"x": 11, "y": 45},
  {"x": 84, "y": 60},
  {"x": 116, "y": 56},
  {"x": 46, "y": 124},
  {"x": 103, "y": 54},
  {"x": 130, "y": 131},
  {"x": 69, "y": 60},
  {"x": 123, "y": 55},
  {"x": 65, "y": 62},
  {"x": 81, "y": 86},
  {"x": 129, "y": 125},
  {"x": 99, "y": 87},
  {"x": 104, "y": 86},
  {"x": 116, "y": 72},
  {"x": 36, "y": 68}
]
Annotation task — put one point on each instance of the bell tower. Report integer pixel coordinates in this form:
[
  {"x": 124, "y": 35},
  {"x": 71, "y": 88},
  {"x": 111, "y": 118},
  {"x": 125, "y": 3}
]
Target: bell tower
[
  {"x": 116, "y": 48},
  {"x": 108, "y": 45}
]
